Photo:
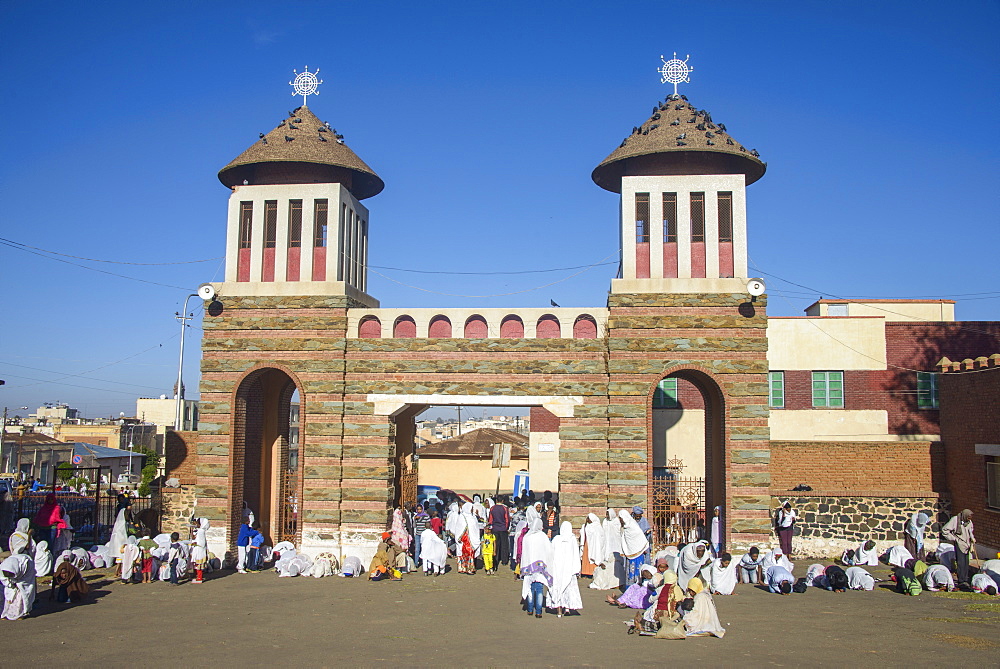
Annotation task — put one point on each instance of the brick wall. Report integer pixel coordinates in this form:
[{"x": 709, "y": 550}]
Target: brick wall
[
  {"x": 180, "y": 456},
  {"x": 543, "y": 420},
  {"x": 970, "y": 415},
  {"x": 892, "y": 468}
]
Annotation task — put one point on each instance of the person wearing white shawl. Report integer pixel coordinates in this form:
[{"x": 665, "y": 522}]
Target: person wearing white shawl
[
  {"x": 913, "y": 534},
  {"x": 564, "y": 592},
  {"x": 816, "y": 576},
  {"x": 130, "y": 554},
  {"x": 938, "y": 577},
  {"x": 592, "y": 545},
  {"x": 859, "y": 579},
  {"x": 634, "y": 545},
  {"x": 352, "y": 567},
  {"x": 690, "y": 561},
  {"x": 775, "y": 557},
  {"x": 864, "y": 554},
  {"x": 720, "y": 575},
  {"x": 20, "y": 541},
  {"x": 472, "y": 525},
  {"x": 703, "y": 619},
  {"x": 292, "y": 564},
  {"x": 536, "y": 556},
  {"x": 454, "y": 524},
  {"x": 899, "y": 556},
  {"x": 479, "y": 511},
  {"x": 119, "y": 535},
  {"x": 43, "y": 559},
  {"x": 199, "y": 554},
  {"x": 433, "y": 552},
  {"x": 17, "y": 573},
  {"x": 983, "y": 583}
]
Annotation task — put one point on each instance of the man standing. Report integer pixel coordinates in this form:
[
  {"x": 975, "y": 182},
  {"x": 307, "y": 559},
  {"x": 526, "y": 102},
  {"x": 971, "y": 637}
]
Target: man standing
[
  {"x": 499, "y": 521},
  {"x": 958, "y": 531}
]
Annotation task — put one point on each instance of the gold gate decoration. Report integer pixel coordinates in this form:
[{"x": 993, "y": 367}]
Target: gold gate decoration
[
  {"x": 288, "y": 522},
  {"x": 407, "y": 485},
  {"x": 676, "y": 507}
]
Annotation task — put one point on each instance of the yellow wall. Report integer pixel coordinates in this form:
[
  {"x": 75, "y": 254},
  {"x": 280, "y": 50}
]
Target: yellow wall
[
  {"x": 467, "y": 473},
  {"x": 825, "y": 343},
  {"x": 680, "y": 433}
]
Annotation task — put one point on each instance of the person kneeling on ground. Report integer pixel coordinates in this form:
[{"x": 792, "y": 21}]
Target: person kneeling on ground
[
  {"x": 836, "y": 579},
  {"x": 69, "y": 584},
  {"x": 638, "y": 595},
  {"x": 906, "y": 582},
  {"x": 779, "y": 580},
  {"x": 750, "y": 568},
  {"x": 383, "y": 564}
]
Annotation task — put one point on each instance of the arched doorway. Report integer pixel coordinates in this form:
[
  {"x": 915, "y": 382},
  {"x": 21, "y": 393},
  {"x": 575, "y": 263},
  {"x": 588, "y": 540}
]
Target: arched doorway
[
  {"x": 686, "y": 456},
  {"x": 265, "y": 462}
]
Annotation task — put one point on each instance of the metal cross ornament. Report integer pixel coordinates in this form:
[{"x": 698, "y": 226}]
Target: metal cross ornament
[
  {"x": 305, "y": 84},
  {"x": 675, "y": 71}
]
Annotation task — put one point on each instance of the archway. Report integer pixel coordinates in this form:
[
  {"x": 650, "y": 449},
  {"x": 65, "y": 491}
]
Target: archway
[
  {"x": 264, "y": 462},
  {"x": 686, "y": 455}
]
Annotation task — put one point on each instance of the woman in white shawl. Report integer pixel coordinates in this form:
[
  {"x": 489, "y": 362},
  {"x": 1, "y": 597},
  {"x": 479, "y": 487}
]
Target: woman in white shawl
[
  {"x": 433, "y": 552},
  {"x": 453, "y": 523},
  {"x": 564, "y": 592},
  {"x": 43, "y": 559},
  {"x": 703, "y": 619},
  {"x": 611, "y": 571},
  {"x": 592, "y": 545},
  {"x": 20, "y": 541},
  {"x": 130, "y": 555},
  {"x": 720, "y": 575},
  {"x": 634, "y": 545},
  {"x": 536, "y": 556},
  {"x": 859, "y": 579},
  {"x": 899, "y": 556},
  {"x": 468, "y": 541},
  {"x": 199, "y": 553},
  {"x": 913, "y": 534},
  {"x": 521, "y": 530},
  {"x": 865, "y": 554},
  {"x": 773, "y": 557},
  {"x": 690, "y": 561},
  {"x": 119, "y": 535},
  {"x": 816, "y": 576},
  {"x": 17, "y": 573}
]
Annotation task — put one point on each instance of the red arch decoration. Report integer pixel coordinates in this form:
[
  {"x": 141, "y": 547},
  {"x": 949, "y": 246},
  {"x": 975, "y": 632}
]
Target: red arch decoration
[
  {"x": 440, "y": 327},
  {"x": 548, "y": 327},
  {"x": 404, "y": 328},
  {"x": 476, "y": 328},
  {"x": 370, "y": 328},
  {"x": 511, "y": 327},
  {"x": 585, "y": 327}
]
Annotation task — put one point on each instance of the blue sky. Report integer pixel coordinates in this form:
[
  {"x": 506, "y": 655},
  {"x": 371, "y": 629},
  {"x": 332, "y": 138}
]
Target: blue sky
[{"x": 879, "y": 123}]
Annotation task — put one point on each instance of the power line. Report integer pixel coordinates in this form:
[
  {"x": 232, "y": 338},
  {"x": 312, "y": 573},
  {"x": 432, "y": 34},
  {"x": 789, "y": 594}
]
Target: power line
[{"x": 11, "y": 242}]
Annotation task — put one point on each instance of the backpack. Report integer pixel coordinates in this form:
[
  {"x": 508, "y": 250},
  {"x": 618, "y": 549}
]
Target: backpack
[
  {"x": 800, "y": 586},
  {"x": 911, "y": 585}
]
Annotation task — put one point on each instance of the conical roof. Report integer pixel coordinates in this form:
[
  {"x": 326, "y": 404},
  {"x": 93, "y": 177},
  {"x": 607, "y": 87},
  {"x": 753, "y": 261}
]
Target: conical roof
[
  {"x": 678, "y": 139},
  {"x": 303, "y": 149}
]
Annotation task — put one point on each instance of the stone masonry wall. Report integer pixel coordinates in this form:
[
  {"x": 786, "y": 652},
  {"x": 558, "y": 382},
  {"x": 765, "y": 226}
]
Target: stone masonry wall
[
  {"x": 178, "y": 507},
  {"x": 828, "y": 526}
]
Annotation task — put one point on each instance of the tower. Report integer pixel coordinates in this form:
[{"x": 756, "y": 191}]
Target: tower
[
  {"x": 296, "y": 225},
  {"x": 682, "y": 180}
]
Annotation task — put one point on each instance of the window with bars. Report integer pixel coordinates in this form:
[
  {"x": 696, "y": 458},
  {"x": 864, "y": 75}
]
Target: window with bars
[
  {"x": 993, "y": 482},
  {"x": 828, "y": 390},
  {"x": 776, "y": 390},
  {"x": 294, "y": 223},
  {"x": 725, "y": 216},
  {"x": 270, "y": 224},
  {"x": 697, "y": 217},
  {"x": 927, "y": 394},
  {"x": 319, "y": 223},
  {"x": 669, "y": 217},
  {"x": 246, "y": 224},
  {"x": 641, "y": 217},
  {"x": 665, "y": 396}
]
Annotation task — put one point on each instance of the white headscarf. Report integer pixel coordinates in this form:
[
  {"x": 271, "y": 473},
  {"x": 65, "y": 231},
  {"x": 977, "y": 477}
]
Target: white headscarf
[
  {"x": 592, "y": 536},
  {"x": 43, "y": 559},
  {"x": 634, "y": 542},
  {"x": 859, "y": 579},
  {"x": 19, "y": 591},
  {"x": 612, "y": 533},
  {"x": 722, "y": 579},
  {"x": 899, "y": 556},
  {"x": 130, "y": 553},
  {"x": 472, "y": 525},
  {"x": 565, "y": 590},
  {"x": 119, "y": 535},
  {"x": 200, "y": 551},
  {"x": 432, "y": 549},
  {"x": 816, "y": 576},
  {"x": 454, "y": 523},
  {"x": 775, "y": 557},
  {"x": 321, "y": 568},
  {"x": 703, "y": 619},
  {"x": 915, "y": 527},
  {"x": 689, "y": 564},
  {"x": 865, "y": 556},
  {"x": 19, "y": 541},
  {"x": 535, "y": 547}
]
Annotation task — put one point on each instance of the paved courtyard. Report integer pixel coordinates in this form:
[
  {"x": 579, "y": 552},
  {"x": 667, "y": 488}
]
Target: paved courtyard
[{"x": 455, "y": 620}]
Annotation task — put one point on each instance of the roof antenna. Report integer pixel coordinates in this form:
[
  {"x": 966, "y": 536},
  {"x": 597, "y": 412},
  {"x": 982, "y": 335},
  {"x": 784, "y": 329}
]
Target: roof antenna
[{"x": 305, "y": 84}]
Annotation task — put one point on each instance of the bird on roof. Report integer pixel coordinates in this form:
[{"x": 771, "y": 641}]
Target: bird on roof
[
  {"x": 289, "y": 139},
  {"x": 292, "y": 127},
  {"x": 326, "y": 124},
  {"x": 722, "y": 127},
  {"x": 339, "y": 137},
  {"x": 683, "y": 135},
  {"x": 676, "y": 121},
  {"x": 729, "y": 141},
  {"x": 322, "y": 128},
  {"x": 340, "y": 141},
  {"x": 553, "y": 302},
  {"x": 291, "y": 114},
  {"x": 754, "y": 153},
  {"x": 298, "y": 120},
  {"x": 679, "y": 107},
  {"x": 700, "y": 126},
  {"x": 711, "y": 143},
  {"x": 680, "y": 143},
  {"x": 321, "y": 138},
  {"x": 710, "y": 134}
]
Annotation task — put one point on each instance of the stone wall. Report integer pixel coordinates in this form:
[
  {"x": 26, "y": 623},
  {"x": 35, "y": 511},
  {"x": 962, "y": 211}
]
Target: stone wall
[
  {"x": 178, "y": 507},
  {"x": 828, "y": 525}
]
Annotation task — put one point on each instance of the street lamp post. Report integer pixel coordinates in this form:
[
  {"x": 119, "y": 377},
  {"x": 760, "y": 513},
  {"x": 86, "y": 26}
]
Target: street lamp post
[{"x": 183, "y": 317}]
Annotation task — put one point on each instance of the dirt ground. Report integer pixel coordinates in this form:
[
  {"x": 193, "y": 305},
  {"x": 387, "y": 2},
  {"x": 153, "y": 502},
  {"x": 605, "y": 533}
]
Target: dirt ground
[{"x": 456, "y": 620}]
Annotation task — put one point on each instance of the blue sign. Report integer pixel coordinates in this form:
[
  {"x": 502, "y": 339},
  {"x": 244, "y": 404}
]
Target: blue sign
[
  {"x": 77, "y": 459},
  {"x": 521, "y": 480}
]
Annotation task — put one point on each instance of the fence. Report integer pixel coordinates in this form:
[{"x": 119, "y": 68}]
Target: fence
[{"x": 677, "y": 506}]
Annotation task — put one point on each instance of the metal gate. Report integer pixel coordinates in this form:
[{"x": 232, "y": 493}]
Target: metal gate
[
  {"x": 288, "y": 521},
  {"x": 677, "y": 509},
  {"x": 407, "y": 485}
]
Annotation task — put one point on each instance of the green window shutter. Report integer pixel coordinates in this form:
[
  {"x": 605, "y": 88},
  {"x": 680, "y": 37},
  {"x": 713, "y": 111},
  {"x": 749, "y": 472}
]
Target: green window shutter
[
  {"x": 828, "y": 389},
  {"x": 665, "y": 396},
  {"x": 819, "y": 389},
  {"x": 927, "y": 397},
  {"x": 776, "y": 389}
]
